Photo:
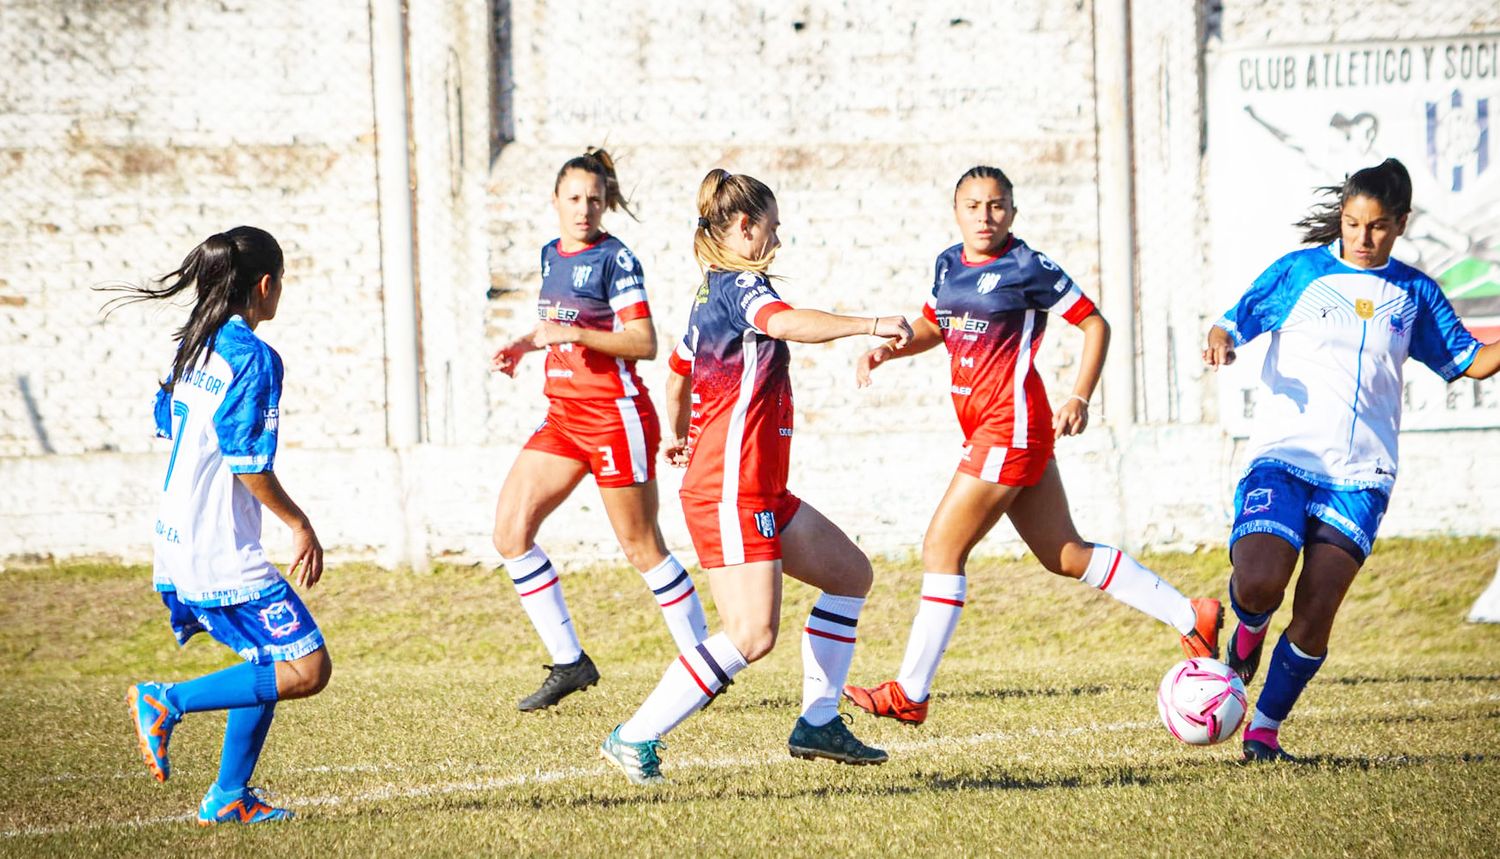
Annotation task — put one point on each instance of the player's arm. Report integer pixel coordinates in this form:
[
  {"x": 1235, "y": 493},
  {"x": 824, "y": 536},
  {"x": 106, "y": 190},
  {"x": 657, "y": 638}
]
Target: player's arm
[
  {"x": 508, "y": 357},
  {"x": 635, "y": 342},
  {"x": 307, "y": 551},
  {"x": 816, "y": 326},
  {"x": 1219, "y": 350},
  {"x": 925, "y": 334},
  {"x": 1486, "y": 362},
  {"x": 1073, "y": 415},
  {"x": 679, "y": 416}
]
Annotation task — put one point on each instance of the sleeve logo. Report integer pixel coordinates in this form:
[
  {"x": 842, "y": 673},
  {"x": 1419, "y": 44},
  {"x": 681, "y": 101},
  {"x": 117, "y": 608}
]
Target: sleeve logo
[
  {"x": 625, "y": 261},
  {"x": 746, "y": 279},
  {"x": 1046, "y": 262}
]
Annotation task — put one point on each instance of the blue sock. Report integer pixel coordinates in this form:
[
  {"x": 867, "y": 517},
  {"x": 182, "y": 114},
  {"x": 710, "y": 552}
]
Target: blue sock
[
  {"x": 1247, "y": 617},
  {"x": 1290, "y": 670},
  {"x": 243, "y": 685},
  {"x": 244, "y": 736}
]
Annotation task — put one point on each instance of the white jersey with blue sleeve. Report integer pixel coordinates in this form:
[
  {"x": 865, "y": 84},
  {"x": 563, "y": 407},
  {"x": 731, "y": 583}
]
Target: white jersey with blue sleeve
[
  {"x": 1333, "y": 369},
  {"x": 222, "y": 417}
]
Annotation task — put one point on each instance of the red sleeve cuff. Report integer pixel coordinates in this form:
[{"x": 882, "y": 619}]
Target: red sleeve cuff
[
  {"x": 764, "y": 315},
  {"x": 929, "y": 314},
  {"x": 1080, "y": 311},
  {"x": 679, "y": 366},
  {"x": 639, "y": 310}
]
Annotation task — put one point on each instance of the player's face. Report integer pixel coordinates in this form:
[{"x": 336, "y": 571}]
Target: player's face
[
  {"x": 580, "y": 205},
  {"x": 761, "y": 240},
  {"x": 984, "y": 212},
  {"x": 1369, "y": 232}
]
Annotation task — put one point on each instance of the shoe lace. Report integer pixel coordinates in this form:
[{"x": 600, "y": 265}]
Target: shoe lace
[{"x": 650, "y": 761}]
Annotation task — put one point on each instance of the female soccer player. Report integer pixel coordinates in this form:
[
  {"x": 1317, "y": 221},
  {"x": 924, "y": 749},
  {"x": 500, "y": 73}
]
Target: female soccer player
[
  {"x": 595, "y": 324},
  {"x": 220, "y": 407},
  {"x": 1344, "y": 317},
  {"x": 990, "y": 299},
  {"x": 729, "y": 406}
]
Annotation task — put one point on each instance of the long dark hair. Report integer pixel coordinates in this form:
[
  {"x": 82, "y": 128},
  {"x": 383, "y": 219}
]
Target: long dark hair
[
  {"x": 1387, "y": 182},
  {"x": 223, "y": 268},
  {"x": 598, "y": 162}
]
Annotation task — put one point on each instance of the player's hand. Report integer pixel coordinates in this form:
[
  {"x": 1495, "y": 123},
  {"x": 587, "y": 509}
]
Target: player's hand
[
  {"x": 1220, "y": 349},
  {"x": 675, "y": 451},
  {"x": 1071, "y": 418},
  {"x": 549, "y": 333},
  {"x": 895, "y": 328},
  {"x": 868, "y": 362},
  {"x": 307, "y": 562},
  {"x": 508, "y": 357}
]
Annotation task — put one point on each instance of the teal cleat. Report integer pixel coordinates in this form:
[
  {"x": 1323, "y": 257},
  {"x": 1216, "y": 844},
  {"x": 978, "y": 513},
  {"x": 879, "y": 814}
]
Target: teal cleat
[
  {"x": 154, "y": 720},
  {"x": 237, "y": 806},
  {"x": 638, "y": 761},
  {"x": 832, "y": 741}
]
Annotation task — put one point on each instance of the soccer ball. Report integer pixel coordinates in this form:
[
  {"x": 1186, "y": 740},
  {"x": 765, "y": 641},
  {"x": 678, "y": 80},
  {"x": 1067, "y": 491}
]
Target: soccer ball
[{"x": 1201, "y": 701}]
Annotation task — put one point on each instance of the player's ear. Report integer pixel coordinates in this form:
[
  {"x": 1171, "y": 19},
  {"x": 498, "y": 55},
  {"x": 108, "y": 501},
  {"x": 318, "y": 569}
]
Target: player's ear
[{"x": 1401, "y": 224}]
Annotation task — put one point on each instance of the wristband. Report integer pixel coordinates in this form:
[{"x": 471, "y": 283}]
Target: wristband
[{"x": 1079, "y": 399}]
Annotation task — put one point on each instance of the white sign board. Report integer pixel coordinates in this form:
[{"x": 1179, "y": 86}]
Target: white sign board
[{"x": 1284, "y": 121}]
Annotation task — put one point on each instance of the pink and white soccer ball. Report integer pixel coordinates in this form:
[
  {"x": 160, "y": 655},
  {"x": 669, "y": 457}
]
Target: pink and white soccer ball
[{"x": 1201, "y": 701}]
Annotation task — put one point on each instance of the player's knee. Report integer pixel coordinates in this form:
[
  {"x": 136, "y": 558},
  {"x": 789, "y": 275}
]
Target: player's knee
[
  {"x": 305, "y": 677},
  {"x": 1071, "y": 560},
  {"x": 1257, "y": 587},
  {"x": 753, "y": 641},
  {"x": 643, "y": 553},
  {"x": 512, "y": 539}
]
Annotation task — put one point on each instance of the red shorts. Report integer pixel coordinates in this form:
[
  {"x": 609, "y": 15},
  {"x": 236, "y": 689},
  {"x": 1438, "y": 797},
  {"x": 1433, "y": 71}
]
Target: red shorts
[
  {"x": 728, "y": 534},
  {"x": 1007, "y": 466},
  {"x": 617, "y": 439}
]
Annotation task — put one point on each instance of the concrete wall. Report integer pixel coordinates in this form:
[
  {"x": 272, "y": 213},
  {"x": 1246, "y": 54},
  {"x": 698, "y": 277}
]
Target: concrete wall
[{"x": 136, "y": 129}]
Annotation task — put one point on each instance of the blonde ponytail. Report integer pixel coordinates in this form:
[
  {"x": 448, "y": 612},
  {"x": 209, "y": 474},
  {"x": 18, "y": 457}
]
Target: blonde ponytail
[{"x": 722, "y": 197}]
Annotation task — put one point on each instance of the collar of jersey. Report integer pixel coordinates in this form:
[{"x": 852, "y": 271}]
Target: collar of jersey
[
  {"x": 963, "y": 257},
  {"x": 1338, "y": 257},
  {"x": 562, "y": 253}
]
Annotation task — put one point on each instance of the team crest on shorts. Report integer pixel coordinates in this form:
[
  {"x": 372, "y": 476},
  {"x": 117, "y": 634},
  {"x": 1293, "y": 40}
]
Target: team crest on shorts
[
  {"x": 1257, "y": 501},
  {"x": 280, "y": 619},
  {"x": 765, "y": 524}
]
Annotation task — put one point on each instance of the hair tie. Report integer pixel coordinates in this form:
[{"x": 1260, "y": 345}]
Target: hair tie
[{"x": 702, "y": 223}]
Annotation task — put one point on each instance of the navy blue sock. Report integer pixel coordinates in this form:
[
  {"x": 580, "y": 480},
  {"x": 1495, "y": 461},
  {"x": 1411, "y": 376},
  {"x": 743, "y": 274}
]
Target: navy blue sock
[
  {"x": 1285, "y": 680},
  {"x": 243, "y": 685},
  {"x": 244, "y": 736},
  {"x": 1247, "y": 617}
]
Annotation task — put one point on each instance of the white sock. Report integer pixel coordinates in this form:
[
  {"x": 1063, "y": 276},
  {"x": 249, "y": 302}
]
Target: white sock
[
  {"x": 1119, "y": 575},
  {"x": 827, "y": 650},
  {"x": 541, "y": 593},
  {"x": 694, "y": 677},
  {"x": 937, "y": 616},
  {"x": 1260, "y": 721},
  {"x": 674, "y": 592}
]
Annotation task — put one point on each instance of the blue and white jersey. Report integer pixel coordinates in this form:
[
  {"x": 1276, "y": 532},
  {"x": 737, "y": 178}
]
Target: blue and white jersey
[
  {"x": 1339, "y": 337},
  {"x": 222, "y": 419}
]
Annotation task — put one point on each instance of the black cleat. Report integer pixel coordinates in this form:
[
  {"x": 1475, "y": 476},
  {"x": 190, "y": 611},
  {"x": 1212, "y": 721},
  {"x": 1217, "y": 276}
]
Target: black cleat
[
  {"x": 562, "y": 681},
  {"x": 1246, "y": 667},
  {"x": 1258, "y": 752}
]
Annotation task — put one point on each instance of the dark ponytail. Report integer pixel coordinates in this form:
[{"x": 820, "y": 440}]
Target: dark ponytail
[
  {"x": 223, "y": 269},
  {"x": 599, "y": 163},
  {"x": 984, "y": 171},
  {"x": 1387, "y": 182}
]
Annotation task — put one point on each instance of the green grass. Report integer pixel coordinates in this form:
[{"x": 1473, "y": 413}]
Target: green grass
[{"x": 1043, "y": 737}]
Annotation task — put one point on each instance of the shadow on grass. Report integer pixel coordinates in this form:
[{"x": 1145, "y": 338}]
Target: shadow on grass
[
  {"x": 1363, "y": 679},
  {"x": 1002, "y": 694},
  {"x": 1366, "y": 763}
]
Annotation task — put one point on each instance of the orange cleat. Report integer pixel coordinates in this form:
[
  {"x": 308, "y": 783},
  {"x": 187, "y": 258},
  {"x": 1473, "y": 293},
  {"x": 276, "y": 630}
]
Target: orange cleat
[
  {"x": 1204, "y": 639},
  {"x": 888, "y": 700}
]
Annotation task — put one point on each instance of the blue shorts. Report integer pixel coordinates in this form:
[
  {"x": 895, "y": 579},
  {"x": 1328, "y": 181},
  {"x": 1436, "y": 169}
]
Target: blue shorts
[
  {"x": 274, "y": 627},
  {"x": 1272, "y": 499}
]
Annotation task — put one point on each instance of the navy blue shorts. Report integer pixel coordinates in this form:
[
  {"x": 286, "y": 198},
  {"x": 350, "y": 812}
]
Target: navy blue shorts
[{"x": 274, "y": 627}]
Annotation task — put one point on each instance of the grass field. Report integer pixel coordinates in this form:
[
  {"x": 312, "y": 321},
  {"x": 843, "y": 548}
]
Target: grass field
[{"x": 1043, "y": 738}]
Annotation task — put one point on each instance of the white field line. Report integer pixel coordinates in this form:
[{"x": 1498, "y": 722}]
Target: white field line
[{"x": 481, "y": 785}]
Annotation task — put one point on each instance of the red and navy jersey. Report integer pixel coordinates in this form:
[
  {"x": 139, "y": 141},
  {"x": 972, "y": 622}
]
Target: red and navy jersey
[
  {"x": 599, "y": 287},
  {"x": 740, "y": 436},
  {"x": 988, "y": 313}
]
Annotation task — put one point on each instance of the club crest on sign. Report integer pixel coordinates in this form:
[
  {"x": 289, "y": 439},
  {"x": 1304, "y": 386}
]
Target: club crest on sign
[
  {"x": 765, "y": 524},
  {"x": 280, "y": 619}
]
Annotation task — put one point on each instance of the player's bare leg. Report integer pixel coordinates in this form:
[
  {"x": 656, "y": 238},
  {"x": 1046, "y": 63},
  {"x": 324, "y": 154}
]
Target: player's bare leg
[
  {"x": 1043, "y": 519},
  {"x": 538, "y": 482}
]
